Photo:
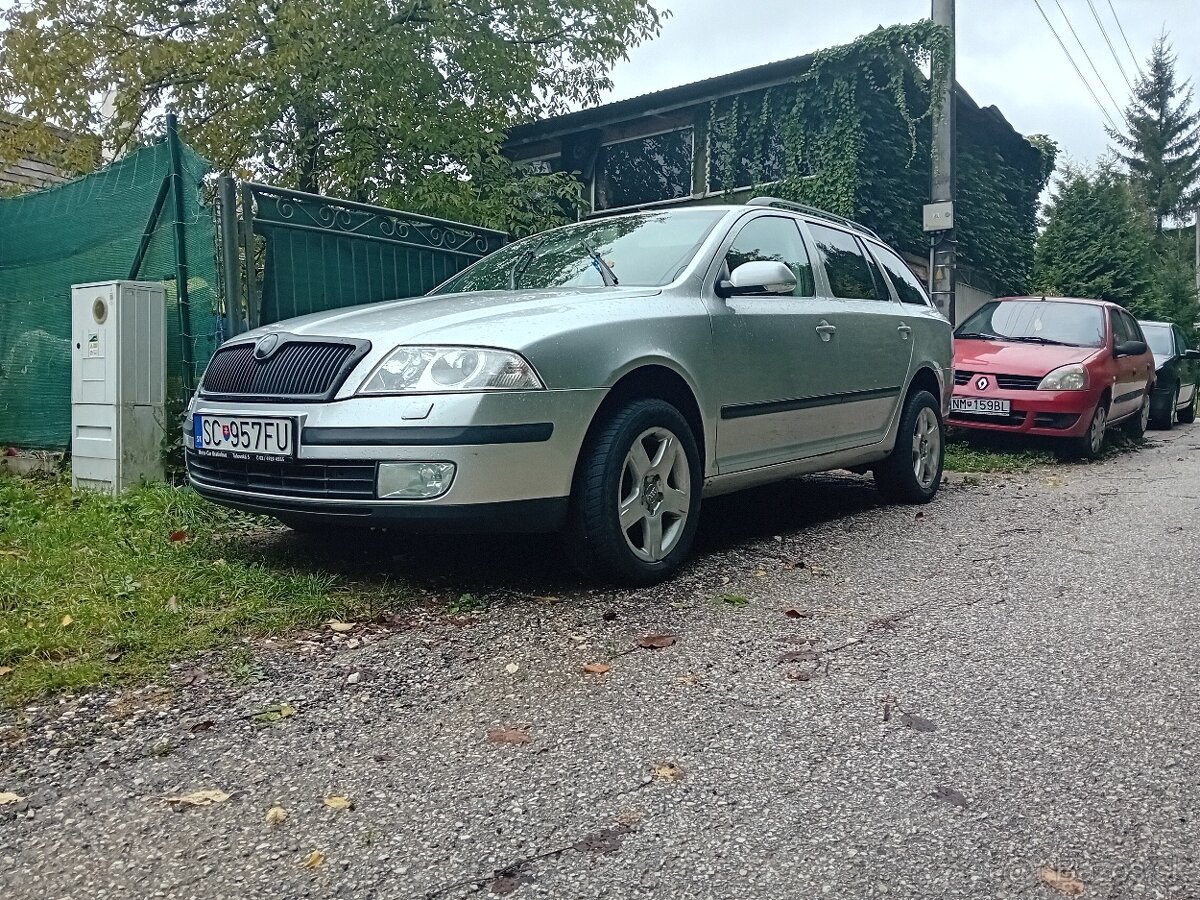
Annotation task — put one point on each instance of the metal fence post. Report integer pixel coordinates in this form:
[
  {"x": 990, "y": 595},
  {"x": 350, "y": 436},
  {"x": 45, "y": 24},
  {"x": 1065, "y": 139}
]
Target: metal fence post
[
  {"x": 231, "y": 279},
  {"x": 253, "y": 308},
  {"x": 181, "y": 264}
]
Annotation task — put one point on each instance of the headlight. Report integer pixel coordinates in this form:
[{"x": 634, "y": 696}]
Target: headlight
[
  {"x": 1067, "y": 378},
  {"x": 435, "y": 370}
]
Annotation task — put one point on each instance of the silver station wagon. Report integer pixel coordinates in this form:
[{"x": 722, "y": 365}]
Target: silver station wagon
[{"x": 597, "y": 380}]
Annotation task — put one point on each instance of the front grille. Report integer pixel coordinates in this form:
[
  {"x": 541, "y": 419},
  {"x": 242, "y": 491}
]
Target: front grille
[
  {"x": 1004, "y": 382},
  {"x": 297, "y": 370},
  {"x": 325, "y": 480}
]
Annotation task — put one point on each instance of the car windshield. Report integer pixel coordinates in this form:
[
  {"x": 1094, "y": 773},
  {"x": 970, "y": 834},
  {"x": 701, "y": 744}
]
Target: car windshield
[
  {"x": 641, "y": 250},
  {"x": 1036, "y": 322},
  {"x": 1160, "y": 339}
]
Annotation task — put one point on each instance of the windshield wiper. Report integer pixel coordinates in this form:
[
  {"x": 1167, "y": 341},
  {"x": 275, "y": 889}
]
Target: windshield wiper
[
  {"x": 606, "y": 272},
  {"x": 979, "y": 336},
  {"x": 1033, "y": 339},
  {"x": 519, "y": 266}
]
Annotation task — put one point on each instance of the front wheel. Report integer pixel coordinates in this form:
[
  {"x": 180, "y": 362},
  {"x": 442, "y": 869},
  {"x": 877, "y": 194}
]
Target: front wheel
[
  {"x": 636, "y": 499},
  {"x": 1091, "y": 444},
  {"x": 913, "y": 470}
]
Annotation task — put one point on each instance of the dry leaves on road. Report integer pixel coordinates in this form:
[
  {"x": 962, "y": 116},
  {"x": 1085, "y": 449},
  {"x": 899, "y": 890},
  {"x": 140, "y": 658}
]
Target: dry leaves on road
[
  {"x": 179, "y": 536},
  {"x": 67, "y": 620},
  {"x": 916, "y": 723},
  {"x": 799, "y": 613},
  {"x": 606, "y": 840},
  {"x": 947, "y": 794},
  {"x": 512, "y": 668},
  {"x": 508, "y": 735},
  {"x": 198, "y": 798},
  {"x": 656, "y": 641},
  {"x": 597, "y": 668},
  {"x": 313, "y": 860},
  {"x": 275, "y": 713},
  {"x": 668, "y": 772},
  {"x": 4, "y": 670},
  {"x": 6, "y": 798},
  {"x": 276, "y": 815},
  {"x": 1062, "y": 882},
  {"x": 337, "y": 802},
  {"x": 340, "y": 627}
]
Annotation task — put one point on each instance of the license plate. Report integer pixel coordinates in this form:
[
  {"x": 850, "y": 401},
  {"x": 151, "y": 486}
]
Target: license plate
[
  {"x": 244, "y": 437},
  {"x": 980, "y": 406}
]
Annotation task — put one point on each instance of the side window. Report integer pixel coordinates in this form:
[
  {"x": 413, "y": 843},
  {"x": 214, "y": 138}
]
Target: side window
[
  {"x": 774, "y": 239},
  {"x": 908, "y": 289},
  {"x": 881, "y": 288},
  {"x": 1120, "y": 328},
  {"x": 1181, "y": 343},
  {"x": 1133, "y": 327},
  {"x": 849, "y": 273}
]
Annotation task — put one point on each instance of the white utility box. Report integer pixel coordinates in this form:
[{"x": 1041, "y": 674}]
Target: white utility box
[{"x": 118, "y": 383}]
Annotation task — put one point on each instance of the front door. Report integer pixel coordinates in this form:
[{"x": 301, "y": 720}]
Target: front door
[{"x": 779, "y": 356}]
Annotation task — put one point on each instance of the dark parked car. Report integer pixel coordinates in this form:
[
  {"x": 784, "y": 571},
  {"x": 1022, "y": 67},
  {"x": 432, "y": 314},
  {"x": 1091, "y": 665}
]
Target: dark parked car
[{"x": 1174, "y": 398}]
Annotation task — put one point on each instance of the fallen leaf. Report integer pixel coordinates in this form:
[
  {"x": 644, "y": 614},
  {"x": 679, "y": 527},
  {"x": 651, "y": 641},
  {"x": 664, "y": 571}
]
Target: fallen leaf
[
  {"x": 337, "y": 802},
  {"x": 172, "y": 604},
  {"x": 218, "y": 563},
  {"x": 799, "y": 613},
  {"x": 916, "y": 723},
  {"x": 668, "y": 771},
  {"x": 629, "y": 817},
  {"x": 4, "y": 670},
  {"x": 6, "y": 798},
  {"x": 66, "y": 620},
  {"x": 384, "y": 757},
  {"x": 731, "y": 600},
  {"x": 275, "y": 713},
  {"x": 507, "y": 735},
  {"x": 340, "y": 628},
  {"x": 199, "y": 798},
  {"x": 690, "y": 678},
  {"x": 656, "y": 641},
  {"x": 178, "y": 535},
  {"x": 760, "y": 574},
  {"x": 313, "y": 860},
  {"x": 597, "y": 668},
  {"x": 606, "y": 840},
  {"x": 949, "y": 795},
  {"x": 203, "y": 726},
  {"x": 1061, "y": 881},
  {"x": 276, "y": 815},
  {"x": 512, "y": 668}
]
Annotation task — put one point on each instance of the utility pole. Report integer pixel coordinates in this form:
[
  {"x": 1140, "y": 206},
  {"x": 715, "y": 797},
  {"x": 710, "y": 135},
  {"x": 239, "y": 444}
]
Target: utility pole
[{"x": 939, "y": 213}]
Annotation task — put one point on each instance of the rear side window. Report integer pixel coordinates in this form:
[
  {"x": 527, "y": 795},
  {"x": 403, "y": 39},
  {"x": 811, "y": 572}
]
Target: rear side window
[
  {"x": 774, "y": 239},
  {"x": 1134, "y": 328},
  {"x": 1120, "y": 326},
  {"x": 847, "y": 268},
  {"x": 908, "y": 289}
]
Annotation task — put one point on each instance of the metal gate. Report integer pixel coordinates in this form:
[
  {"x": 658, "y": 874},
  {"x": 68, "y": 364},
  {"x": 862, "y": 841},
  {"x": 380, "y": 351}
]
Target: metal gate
[{"x": 285, "y": 253}]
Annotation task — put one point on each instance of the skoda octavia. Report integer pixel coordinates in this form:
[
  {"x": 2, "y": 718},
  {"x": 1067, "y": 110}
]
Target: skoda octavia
[{"x": 598, "y": 380}]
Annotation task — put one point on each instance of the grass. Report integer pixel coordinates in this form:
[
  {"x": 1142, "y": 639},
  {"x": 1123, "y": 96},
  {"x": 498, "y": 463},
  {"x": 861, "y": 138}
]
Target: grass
[
  {"x": 94, "y": 588},
  {"x": 967, "y": 456}
]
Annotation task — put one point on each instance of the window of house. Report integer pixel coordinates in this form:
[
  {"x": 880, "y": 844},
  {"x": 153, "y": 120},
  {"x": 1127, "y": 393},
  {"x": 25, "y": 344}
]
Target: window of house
[
  {"x": 908, "y": 289},
  {"x": 774, "y": 239},
  {"x": 847, "y": 268},
  {"x": 644, "y": 170}
]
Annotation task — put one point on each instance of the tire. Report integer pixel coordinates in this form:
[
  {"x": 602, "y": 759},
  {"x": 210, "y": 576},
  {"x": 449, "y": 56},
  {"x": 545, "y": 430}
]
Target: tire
[
  {"x": 1187, "y": 415},
  {"x": 1135, "y": 426},
  {"x": 1091, "y": 444},
  {"x": 912, "y": 472},
  {"x": 662, "y": 502},
  {"x": 1166, "y": 417}
]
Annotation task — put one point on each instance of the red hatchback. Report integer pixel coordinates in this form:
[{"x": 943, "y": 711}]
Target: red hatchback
[{"x": 1050, "y": 366}]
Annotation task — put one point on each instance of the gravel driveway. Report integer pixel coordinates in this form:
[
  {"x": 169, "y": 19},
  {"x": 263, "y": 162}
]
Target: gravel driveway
[{"x": 973, "y": 699}]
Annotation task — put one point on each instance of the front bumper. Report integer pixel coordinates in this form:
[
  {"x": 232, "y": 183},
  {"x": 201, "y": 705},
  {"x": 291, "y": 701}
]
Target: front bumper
[
  {"x": 514, "y": 454},
  {"x": 1043, "y": 413}
]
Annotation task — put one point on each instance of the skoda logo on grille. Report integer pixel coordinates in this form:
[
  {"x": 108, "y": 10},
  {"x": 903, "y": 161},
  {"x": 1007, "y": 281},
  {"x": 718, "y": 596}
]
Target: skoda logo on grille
[
  {"x": 266, "y": 346},
  {"x": 981, "y": 383}
]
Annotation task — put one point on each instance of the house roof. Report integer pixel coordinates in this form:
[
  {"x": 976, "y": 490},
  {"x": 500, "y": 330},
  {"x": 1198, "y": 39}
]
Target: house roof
[{"x": 709, "y": 89}]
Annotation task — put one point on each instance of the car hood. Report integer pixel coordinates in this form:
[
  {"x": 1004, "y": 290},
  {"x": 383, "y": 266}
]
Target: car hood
[
  {"x": 489, "y": 318},
  {"x": 1161, "y": 360},
  {"x": 1016, "y": 359}
]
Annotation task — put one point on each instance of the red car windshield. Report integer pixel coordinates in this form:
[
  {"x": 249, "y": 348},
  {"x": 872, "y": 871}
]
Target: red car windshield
[{"x": 1036, "y": 322}]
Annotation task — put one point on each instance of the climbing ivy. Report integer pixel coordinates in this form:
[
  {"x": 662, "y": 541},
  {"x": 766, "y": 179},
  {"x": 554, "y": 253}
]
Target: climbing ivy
[{"x": 852, "y": 134}]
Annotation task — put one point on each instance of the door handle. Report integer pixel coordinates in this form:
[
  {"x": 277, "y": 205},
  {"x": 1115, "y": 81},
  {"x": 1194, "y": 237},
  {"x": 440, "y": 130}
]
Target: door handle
[
  {"x": 905, "y": 330},
  {"x": 825, "y": 330}
]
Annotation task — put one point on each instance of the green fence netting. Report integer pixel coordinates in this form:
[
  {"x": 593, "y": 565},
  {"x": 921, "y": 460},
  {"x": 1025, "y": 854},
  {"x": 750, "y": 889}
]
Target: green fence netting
[{"x": 90, "y": 229}]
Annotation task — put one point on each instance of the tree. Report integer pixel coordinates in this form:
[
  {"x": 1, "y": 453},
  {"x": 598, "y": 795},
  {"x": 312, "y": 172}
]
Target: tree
[
  {"x": 1161, "y": 142},
  {"x": 1095, "y": 243},
  {"x": 1173, "y": 292},
  {"x": 362, "y": 98}
]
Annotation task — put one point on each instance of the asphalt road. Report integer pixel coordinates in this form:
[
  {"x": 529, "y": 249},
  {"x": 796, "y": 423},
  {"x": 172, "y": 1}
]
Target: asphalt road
[{"x": 982, "y": 693}]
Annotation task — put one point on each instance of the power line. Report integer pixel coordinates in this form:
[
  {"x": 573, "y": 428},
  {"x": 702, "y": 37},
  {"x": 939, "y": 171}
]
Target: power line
[
  {"x": 1088, "y": 56},
  {"x": 1078, "y": 71},
  {"x": 1137, "y": 65},
  {"x": 1111, "y": 48}
]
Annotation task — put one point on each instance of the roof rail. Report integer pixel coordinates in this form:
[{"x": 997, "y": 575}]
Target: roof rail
[{"x": 814, "y": 212}]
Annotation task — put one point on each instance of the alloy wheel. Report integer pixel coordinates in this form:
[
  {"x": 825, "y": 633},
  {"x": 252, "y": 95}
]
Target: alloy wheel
[
  {"x": 655, "y": 494},
  {"x": 927, "y": 445}
]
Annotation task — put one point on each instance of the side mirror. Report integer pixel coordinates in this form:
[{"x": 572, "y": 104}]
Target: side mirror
[
  {"x": 758, "y": 277},
  {"x": 1191, "y": 354},
  {"x": 1130, "y": 348}
]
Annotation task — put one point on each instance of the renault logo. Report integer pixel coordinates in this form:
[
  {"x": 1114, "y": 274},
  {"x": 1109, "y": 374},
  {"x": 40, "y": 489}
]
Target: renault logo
[
  {"x": 266, "y": 346},
  {"x": 981, "y": 383}
]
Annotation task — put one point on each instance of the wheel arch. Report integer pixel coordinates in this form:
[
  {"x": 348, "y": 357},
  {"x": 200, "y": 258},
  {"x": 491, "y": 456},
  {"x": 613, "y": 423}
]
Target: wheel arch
[{"x": 926, "y": 379}]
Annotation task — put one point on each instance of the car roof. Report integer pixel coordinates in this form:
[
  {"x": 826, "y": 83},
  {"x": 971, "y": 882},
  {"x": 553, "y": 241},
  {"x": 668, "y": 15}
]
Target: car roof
[
  {"x": 1084, "y": 301},
  {"x": 1153, "y": 322}
]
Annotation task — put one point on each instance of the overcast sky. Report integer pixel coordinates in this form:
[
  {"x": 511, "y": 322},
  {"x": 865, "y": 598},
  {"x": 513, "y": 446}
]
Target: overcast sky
[{"x": 1007, "y": 55}]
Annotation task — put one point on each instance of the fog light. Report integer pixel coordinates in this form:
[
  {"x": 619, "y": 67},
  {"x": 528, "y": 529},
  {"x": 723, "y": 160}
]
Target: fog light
[{"x": 414, "y": 480}]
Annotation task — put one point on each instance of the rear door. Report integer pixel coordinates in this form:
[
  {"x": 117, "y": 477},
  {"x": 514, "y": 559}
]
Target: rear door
[
  {"x": 1187, "y": 368},
  {"x": 1132, "y": 372},
  {"x": 876, "y": 341},
  {"x": 778, "y": 356}
]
